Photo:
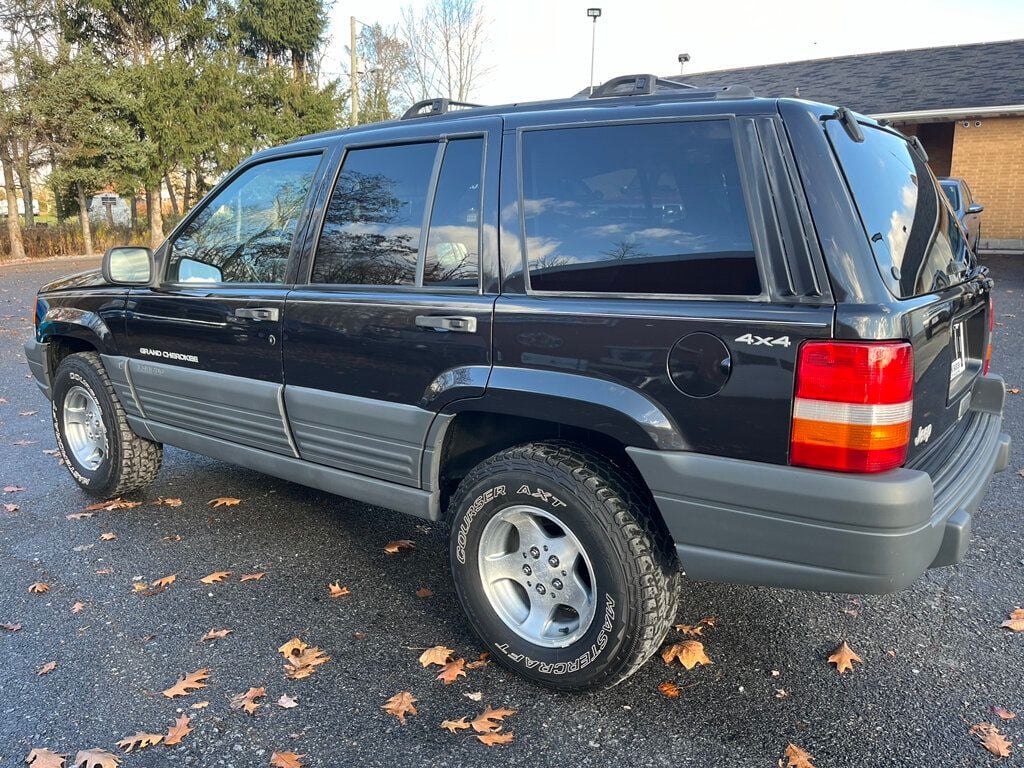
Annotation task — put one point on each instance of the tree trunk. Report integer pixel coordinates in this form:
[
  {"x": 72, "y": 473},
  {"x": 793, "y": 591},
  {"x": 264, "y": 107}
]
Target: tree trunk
[
  {"x": 83, "y": 218},
  {"x": 156, "y": 216},
  {"x": 186, "y": 196},
  {"x": 170, "y": 194},
  {"x": 58, "y": 205},
  {"x": 134, "y": 221},
  {"x": 13, "y": 225},
  {"x": 25, "y": 177}
]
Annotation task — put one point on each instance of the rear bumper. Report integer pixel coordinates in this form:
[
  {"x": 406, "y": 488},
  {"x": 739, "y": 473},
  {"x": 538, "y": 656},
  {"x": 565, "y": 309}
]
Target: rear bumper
[
  {"x": 38, "y": 355},
  {"x": 753, "y": 523}
]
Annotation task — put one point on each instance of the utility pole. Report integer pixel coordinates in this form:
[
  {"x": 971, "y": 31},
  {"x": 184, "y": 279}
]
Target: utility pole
[
  {"x": 595, "y": 14},
  {"x": 353, "y": 64}
]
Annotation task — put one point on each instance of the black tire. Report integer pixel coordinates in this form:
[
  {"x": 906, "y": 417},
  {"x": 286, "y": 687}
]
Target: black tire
[
  {"x": 636, "y": 574},
  {"x": 130, "y": 462}
]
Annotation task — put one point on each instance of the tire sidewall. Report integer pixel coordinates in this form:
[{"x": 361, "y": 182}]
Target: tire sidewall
[
  {"x": 595, "y": 654},
  {"x": 71, "y": 372}
]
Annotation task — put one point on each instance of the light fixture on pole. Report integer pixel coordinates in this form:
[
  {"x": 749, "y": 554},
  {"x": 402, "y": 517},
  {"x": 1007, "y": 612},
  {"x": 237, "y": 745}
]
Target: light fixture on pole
[
  {"x": 354, "y": 67},
  {"x": 595, "y": 14},
  {"x": 682, "y": 58}
]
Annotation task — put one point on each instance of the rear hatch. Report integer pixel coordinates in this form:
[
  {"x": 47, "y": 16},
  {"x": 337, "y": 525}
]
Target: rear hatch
[{"x": 924, "y": 260}]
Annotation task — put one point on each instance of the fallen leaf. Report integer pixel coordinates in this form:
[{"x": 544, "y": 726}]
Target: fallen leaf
[
  {"x": 215, "y": 577},
  {"x": 51, "y": 452},
  {"x": 252, "y": 577},
  {"x": 1014, "y": 390},
  {"x": 175, "y": 538},
  {"x": 21, "y": 443},
  {"x": 495, "y": 739},
  {"x": 108, "y": 536},
  {"x": 178, "y": 731},
  {"x": 690, "y": 653},
  {"x": 991, "y": 739},
  {"x": 215, "y": 634},
  {"x": 47, "y": 668},
  {"x": 439, "y": 655},
  {"x": 690, "y": 630},
  {"x": 162, "y": 502},
  {"x": 452, "y": 671},
  {"x": 13, "y": 489},
  {"x": 225, "y": 501},
  {"x": 337, "y": 590},
  {"x": 292, "y": 648},
  {"x": 200, "y": 705},
  {"x": 140, "y": 741},
  {"x": 359, "y": 635},
  {"x": 797, "y": 757},
  {"x": 480, "y": 663},
  {"x": 1003, "y": 714},
  {"x": 669, "y": 690},
  {"x": 843, "y": 657},
  {"x": 80, "y": 515},
  {"x": 305, "y": 663},
  {"x": 190, "y": 682},
  {"x": 394, "y": 547},
  {"x": 104, "y": 571},
  {"x": 78, "y": 607},
  {"x": 781, "y": 693},
  {"x": 159, "y": 585},
  {"x": 709, "y": 620},
  {"x": 491, "y": 719},
  {"x": 424, "y": 592},
  {"x": 1016, "y": 621},
  {"x": 286, "y": 760},
  {"x": 400, "y": 705},
  {"x": 247, "y": 700},
  {"x": 287, "y": 702},
  {"x": 111, "y": 504},
  {"x": 11, "y": 507},
  {"x": 96, "y": 758},
  {"x": 11, "y": 627},
  {"x": 27, "y": 413},
  {"x": 455, "y": 725},
  {"x": 475, "y": 696},
  {"x": 44, "y": 758},
  {"x": 39, "y": 588}
]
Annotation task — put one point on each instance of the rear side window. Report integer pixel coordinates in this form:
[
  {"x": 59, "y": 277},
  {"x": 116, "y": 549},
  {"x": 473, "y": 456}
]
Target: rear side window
[
  {"x": 655, "y": 208},
  {"x": 916, "y": 239},
  {"x": 452, "y": 255}
]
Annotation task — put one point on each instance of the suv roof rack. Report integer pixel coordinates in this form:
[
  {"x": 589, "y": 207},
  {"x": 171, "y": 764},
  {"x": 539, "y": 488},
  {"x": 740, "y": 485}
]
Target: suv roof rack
[
  {"x": 647, "y": 85},
  {"x": 432, "y": 107}
]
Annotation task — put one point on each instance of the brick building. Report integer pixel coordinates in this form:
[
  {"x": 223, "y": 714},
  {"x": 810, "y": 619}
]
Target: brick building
[{"x": 965, "y": 103}]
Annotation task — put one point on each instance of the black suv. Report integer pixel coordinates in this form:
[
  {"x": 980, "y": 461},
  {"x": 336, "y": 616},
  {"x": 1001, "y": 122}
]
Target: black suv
[{"x": 602, "y": 338}]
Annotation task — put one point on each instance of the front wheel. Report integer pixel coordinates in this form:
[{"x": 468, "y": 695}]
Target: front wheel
[
  {"x": 560, "y": 565},
  {"x": 101, "y": 451}
]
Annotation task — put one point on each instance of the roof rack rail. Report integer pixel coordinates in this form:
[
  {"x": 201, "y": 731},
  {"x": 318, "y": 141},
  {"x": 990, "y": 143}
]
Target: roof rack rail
[
  {"x": 432, "y": 107},
  {"x": 646, "y": 85}
]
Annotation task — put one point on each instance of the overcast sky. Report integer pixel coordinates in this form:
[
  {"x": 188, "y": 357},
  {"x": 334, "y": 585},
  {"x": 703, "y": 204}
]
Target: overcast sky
[{"x": 540, "y": 49}]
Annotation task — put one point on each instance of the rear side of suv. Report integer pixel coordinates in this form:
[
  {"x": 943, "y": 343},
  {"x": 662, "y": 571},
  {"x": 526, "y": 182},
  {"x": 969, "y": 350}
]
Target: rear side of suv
[{"x": 600, "y": 338}]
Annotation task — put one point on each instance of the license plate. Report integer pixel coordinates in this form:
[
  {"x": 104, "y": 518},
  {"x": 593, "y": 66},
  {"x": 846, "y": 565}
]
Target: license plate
[{"x": 959, "y": 344}]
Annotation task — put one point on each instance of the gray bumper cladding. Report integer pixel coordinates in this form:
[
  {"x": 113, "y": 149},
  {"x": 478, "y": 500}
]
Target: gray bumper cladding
[
  {"x": 37, "y": 355},
  {"x": 754, "y": 523}
]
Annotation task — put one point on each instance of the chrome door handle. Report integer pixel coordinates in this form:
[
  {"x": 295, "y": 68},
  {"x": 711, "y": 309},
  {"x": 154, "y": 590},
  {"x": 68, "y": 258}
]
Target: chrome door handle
[
  {"x": 258, "y": 313},
  {"x": 458, "y": 323}
]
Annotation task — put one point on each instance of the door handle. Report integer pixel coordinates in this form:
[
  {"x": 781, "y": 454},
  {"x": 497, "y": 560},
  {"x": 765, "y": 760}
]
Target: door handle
[
  {"x": 258, "y": 313},
  {"x": 457, "y": 323}
]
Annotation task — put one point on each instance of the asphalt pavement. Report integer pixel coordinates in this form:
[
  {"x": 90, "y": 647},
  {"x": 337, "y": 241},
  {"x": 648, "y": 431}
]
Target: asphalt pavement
[{"x": 935, "y": 658}]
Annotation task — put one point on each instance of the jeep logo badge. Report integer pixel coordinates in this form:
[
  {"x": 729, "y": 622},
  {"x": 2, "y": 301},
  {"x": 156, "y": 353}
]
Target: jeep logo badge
[{"x": 923, "y": 434}]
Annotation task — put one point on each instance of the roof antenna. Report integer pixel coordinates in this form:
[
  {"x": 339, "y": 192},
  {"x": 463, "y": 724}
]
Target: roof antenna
[{"x": 682, "y": 58}]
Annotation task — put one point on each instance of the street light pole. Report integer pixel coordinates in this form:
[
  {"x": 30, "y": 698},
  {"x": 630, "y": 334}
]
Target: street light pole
[
  {"x": 354, "y": 70},
  {"x": 595, "y": 14}
]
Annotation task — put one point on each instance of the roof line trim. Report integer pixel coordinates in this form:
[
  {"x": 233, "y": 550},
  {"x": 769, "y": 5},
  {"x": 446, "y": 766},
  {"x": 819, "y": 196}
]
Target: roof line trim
[{"x": 950, "y": 114}]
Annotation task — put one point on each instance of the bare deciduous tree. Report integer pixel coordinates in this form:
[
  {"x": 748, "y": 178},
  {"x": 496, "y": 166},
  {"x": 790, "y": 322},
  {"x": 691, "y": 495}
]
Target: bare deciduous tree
[{"x": 446, "y": 42}]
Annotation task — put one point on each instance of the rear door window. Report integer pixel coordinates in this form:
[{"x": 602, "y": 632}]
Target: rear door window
[
  {"x": 916, "y": 240},
  {"x": 647, "y": 208}
]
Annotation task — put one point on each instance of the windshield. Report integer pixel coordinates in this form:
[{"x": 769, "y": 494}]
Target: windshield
[
  {"x": 917, "y": 241},
  {"x": 953, "y": 194}
]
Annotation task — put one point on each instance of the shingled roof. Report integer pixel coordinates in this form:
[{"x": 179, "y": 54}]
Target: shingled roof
[{"x": 954, "y": 78}]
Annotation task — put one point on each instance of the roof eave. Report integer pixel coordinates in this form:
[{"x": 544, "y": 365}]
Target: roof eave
[{"x": 959, "y": 113}]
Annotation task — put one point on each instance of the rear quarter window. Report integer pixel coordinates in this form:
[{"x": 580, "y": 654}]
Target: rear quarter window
[{"x": 650, "y": 208}]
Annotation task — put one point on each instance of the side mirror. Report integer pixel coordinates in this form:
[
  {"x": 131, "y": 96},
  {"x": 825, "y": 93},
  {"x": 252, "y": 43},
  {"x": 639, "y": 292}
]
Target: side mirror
[
  {"x": 975, "y": 208},
  {"x": 127, "y": 265}
]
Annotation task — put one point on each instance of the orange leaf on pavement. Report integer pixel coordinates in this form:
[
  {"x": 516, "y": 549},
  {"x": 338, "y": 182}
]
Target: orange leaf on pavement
[
  {"x": 843, "y": 657},
  {"x": 797, "y": 757},
  {"x": 991, "y": 739},
  {"x": 400, "y": 705},
  {"x": 690, "y": 653},
  {"x": 495, "y": 739},
  {"x": 394, "y": 547},
  {"x": 439, "y": 655},
  {"x": 193, "y": 681},
  {"x": 452, "y": 671},
  {"x": 286, "y": 760},
  {"x": 178, "y": 731}
]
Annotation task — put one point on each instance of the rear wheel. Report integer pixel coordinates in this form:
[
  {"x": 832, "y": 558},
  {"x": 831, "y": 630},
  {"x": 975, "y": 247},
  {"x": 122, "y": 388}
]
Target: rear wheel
[
  {"x": 560, "y": 565},
  {"x": 101, "y": 451}
]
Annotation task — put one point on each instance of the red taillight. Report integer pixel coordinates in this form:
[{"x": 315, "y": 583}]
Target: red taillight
[
  {"x": 853, "y": 406},
  {"x": 991, "y": 331}
]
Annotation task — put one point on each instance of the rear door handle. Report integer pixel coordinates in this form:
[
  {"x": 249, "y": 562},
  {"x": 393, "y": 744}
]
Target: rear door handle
[
  {"x": 458, "y": 323},
  {"x": 258, "y": 313}
]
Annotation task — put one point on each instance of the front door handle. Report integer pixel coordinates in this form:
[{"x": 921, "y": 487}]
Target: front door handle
[
  {"x": 459, "y": 323},
  {"x": 258, "y": 313}
]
